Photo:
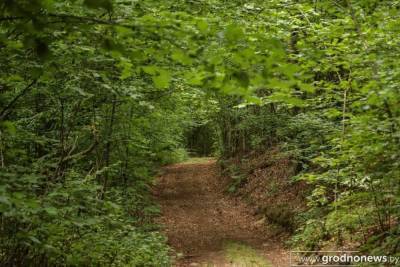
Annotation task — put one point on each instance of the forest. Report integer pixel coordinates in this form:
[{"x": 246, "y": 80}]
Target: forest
[{"x": 291, "y": 106}]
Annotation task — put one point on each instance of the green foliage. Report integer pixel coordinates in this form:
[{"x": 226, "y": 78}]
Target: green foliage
[
  {"x": 71, "y": 224},
  {"x": 95, "y": 95},
  {"x": 329, "y": 98},
  {"x": 87, "y": 115}
]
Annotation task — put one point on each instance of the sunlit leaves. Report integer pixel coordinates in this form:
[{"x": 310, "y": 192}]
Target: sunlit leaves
[
  {"x": 196, "y": 77},
  {"x": 181, "y": 57},
  {"x": 161, "y": 77},
  {"x": 281, "y": 97},
  {"x": 126, "y": 67},
  {"x": 309, "y": 88},
  {"x": 202, "y": 26}
]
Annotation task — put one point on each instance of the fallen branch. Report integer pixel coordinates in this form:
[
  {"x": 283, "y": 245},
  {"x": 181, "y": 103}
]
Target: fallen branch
[{"x": 82, "y": 153}]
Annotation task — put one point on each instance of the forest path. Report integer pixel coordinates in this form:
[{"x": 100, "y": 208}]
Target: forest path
[{"x": 208, "y": 227}]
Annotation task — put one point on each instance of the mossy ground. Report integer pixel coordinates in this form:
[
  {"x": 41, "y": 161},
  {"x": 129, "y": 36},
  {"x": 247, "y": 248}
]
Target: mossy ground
[{"x": 242, "y": 255}]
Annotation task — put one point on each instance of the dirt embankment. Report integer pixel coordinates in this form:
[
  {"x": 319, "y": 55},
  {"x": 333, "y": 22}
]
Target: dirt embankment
[{"x": 264, "y": 181}]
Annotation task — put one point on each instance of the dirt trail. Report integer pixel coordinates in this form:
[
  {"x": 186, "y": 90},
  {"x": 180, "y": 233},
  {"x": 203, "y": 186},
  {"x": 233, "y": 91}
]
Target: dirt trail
[{"x": 200, "y": 219}]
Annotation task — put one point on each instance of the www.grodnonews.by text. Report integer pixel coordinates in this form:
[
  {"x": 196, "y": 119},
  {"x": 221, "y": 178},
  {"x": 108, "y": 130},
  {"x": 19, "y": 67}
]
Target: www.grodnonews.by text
[{"x": 304, "y": 258}]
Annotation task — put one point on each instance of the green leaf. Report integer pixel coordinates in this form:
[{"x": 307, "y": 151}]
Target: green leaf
[
  {"x": 152, "y": 70},
  {"x": 51, "y": 211},
  {"x": 5, "y": 200},
  {"x": 202, "y": 26},
  {"x": 253, "y": 99},
  {"x": 9, "y": 127},
  {"x": 233, "y": 33},
  {"x": 126, "y": 67},
  {"x": 306, "y": 87},
  {"x": 181, "y": 57},
  {"x": 34, "y": 240},
  {"x": 196, "y": 77},
  {"x": 162, "y": 80},
  {"x": 286, "y": 98}
]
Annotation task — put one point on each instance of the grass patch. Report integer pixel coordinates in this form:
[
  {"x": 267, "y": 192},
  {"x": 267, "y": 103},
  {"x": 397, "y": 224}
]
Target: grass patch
[
  {"x": 198, "y": 160},
  {"x": 243, "y": 255}
]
